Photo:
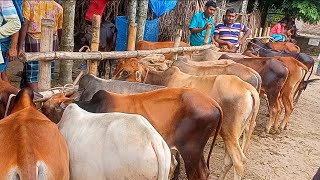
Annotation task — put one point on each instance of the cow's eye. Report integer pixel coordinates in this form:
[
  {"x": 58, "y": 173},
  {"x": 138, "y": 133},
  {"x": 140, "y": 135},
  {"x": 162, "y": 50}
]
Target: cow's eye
[{"x": 125, "y": 74}]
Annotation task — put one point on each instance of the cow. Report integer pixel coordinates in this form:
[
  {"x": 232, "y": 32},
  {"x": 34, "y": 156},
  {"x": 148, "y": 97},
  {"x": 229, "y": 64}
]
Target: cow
[
  {"x": 31, "y": 145},
  {"x": 184, "y": 117},
  {"x": 256, "y": 47},
  {"x": 123, "y": 146},
  {"x": 7, "y": 92},
  {"x": 107, "y": 42},
  {"x": 235, "y": 96},
  {"x": 243, "y": 72},
  {"x": 149, "y": 45},
  {"x": 274, "y": 75},
  {"x": 287, "y": 47},
  {"x": 210, "y": 54}
]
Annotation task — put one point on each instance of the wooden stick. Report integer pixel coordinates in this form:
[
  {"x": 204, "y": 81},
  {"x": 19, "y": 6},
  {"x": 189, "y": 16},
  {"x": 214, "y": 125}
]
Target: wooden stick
[
  {"x": 46, "y": 45},
  {"x": 260, "y": 32},
  {"x": 177, "y": 41},
  {"x": 47, "y": 56},
  {"x": 207, "y": 36},
  {"x": 132, "y": 36},
  {"x": 93, "y": 64},
  {"x": 49, "y": 93}
]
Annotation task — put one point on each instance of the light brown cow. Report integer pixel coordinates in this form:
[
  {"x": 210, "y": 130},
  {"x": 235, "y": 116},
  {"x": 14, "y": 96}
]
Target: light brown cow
[
  {"x": 31, "y": 145},
  {"x": 148, "y": 45},
  {"x": 243, "y": 72},
  {"x": 239, "y": 99}
]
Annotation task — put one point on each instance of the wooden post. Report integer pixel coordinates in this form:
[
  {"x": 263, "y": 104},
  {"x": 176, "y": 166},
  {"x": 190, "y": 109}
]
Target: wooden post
[
  {"x": 177, "y": 41},
  {"x": 268, "y": 31},
  {"x": 256, "y": 32},
  {"x": 93, "y": 64},
  {"x": 46, "y": 45},
  {"x": 142, "y": 13},
  {"x": 131, "y": 45},
  {"x": 260, "y": 32},
  {"x": 207, "y": 36}
]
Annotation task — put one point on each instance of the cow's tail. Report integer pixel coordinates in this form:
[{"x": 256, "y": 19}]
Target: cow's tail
[
  {"x": 310, "y": 72},
  {"x": 297, "y": 48},
  {"x": 215, "y": 135},
  {"x": 163, "y": 156},
  {"x": 39, "y": 172}
]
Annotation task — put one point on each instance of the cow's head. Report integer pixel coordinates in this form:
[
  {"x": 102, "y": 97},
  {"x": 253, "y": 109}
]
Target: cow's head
[
  {"x": 55, "y": 106},
  {"x": 130, "y": 70}
]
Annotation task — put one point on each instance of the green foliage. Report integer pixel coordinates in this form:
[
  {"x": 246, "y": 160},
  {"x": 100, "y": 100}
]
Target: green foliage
[{"x": 307, "y": 10}]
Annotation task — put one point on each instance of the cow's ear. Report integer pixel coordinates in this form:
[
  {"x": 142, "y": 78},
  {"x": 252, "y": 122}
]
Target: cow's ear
[
  {"x": 138, "y": 76},
  {"x": 66, "y": 102}
]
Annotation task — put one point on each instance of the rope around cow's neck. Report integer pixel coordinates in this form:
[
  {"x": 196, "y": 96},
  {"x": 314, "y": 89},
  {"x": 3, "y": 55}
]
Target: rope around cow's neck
[
  {"x": 145, "y": 78},
  {"x": 8, "y": 104}
]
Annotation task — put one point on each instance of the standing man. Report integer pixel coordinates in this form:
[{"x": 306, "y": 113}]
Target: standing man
[
  {"x": 228, "y": 32},
  {"x": 199, "y": 23},
  {"x": 9, "y": 25},
  {"x": 30, "y": 34}
]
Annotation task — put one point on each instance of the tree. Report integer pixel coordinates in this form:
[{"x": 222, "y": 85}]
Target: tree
[{"x": 67, "y": 43}]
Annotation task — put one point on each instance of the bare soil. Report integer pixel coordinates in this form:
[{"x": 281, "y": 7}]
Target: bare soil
[{"x": 292, "y": 155}]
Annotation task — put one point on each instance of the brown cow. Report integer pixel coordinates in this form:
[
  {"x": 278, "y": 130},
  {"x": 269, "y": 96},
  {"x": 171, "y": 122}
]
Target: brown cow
[
  {"x": 148, "y": 45},
  {"x": 184, "y": 117},
  {"x": 7, "y": 92},
  {"x": 285, "y": 46},
  {"x": 31, "y": 145},
  {"x": 243, "y": 72},
  {"x": 274, "y": 74},
  {"x": 239, "y": 99}
]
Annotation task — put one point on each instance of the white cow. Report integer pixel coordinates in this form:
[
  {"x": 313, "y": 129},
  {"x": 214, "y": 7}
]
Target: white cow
[{"x": 113, "y": 146}]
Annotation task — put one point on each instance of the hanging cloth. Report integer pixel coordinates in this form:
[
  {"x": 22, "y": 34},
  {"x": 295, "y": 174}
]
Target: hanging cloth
[
  {"x": 96, "y": 7},
  {"x": 160, "y": 7}
]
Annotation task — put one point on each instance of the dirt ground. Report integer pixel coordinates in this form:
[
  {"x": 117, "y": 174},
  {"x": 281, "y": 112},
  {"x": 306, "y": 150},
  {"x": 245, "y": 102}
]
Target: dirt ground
[{"x": 292, "y": 155}]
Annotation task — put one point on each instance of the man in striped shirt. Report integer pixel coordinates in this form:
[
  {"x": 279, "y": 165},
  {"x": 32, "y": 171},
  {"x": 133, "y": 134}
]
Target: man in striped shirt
[{"x": 227, "y": 33}]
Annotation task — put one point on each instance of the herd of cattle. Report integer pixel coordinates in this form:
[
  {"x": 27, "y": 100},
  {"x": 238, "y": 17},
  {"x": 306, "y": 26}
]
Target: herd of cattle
[{"x": 137, "y": 124}]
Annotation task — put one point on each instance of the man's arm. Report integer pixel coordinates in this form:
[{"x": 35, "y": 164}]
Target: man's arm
[
  {"x": 247, "y": 33},
  {"x": 13, "y": 45},
  {"x": 10, "y": 15},
  {"x": 223, "y": 42},
  {"x": 196, "y": 30},
  {"x": 22, "y": 35}
]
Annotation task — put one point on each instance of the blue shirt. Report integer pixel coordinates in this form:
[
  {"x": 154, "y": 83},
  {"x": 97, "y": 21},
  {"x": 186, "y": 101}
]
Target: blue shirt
[
  {"x": 231, "y": 33},
  {"x": 5, "y": 42},
  {"x": 199, "y": 21}
]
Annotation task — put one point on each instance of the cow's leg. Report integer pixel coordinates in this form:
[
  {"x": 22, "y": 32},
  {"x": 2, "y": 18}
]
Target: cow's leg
[
  {"x": 274, "y": 110},
  {"x": 288, "y": 105},
  {"x": 110, "y": 68},
  {"x": 227, "y": 164},
  {"x": 248, "y": 131},
  {"x": 277, "y": 116},
  {"x": 195, "y": 165},
  {"x": 238, "y": 159}
]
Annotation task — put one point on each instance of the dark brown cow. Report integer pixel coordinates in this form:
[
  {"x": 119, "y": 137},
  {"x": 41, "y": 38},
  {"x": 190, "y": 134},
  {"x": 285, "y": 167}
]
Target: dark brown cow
[
  {"x": 185, "y": 118},
  {"x": 7, "y": 92},
  {"x": 242, "y": 103},
  {"x": 274, "y": 74},
  {"x": 31, "y": 145}
]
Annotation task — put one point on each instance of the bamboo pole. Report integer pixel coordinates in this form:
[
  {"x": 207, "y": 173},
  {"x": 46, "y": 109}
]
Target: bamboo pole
[
  {"x": 93, "y": 64},
  {"x": 49, "y": 93},
  {"x": 255, "y": 32},
  {"x": 208, "y": 32},
  {"x": 46, "y": 45},
  {"x": 58, "y": 55},
  {"x": 260, "y": 32},
  {"x": 177, "y": 41},
  {"x": 132, "y": 36}
]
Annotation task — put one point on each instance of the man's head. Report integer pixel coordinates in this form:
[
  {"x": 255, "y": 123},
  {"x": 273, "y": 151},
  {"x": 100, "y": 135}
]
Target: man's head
[
  {"x": 230, "y": 16},
  {"x": 210, "y": 8},
  {"x": 283, "y": 22}
]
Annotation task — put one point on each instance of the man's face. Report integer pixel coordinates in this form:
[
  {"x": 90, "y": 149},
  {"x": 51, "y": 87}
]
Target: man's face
[
  {"x": 210, "y": 10},
  {"x": 230, "y": 18}
]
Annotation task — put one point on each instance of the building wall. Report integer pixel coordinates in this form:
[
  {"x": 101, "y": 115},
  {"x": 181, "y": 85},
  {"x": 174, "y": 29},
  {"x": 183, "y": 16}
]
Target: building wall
[{"x": 302, "y": 42}]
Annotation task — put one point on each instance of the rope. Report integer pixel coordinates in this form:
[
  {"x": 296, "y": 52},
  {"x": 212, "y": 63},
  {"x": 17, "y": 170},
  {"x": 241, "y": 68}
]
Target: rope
[{"x": 8, "y": 104}]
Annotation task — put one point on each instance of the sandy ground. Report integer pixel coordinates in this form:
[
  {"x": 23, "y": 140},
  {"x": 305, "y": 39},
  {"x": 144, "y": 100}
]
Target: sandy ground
[{"x": 294, "y": 154}]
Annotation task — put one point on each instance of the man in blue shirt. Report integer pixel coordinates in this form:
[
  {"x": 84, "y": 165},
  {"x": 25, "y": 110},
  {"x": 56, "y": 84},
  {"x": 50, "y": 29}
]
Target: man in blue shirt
[
  {"x": 227, "y": 33},
  {"x": 199, "y": 23}
]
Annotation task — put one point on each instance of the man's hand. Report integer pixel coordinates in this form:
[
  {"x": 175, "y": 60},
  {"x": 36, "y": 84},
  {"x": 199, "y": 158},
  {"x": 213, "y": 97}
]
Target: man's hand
[
  {"x": 12, "y": 53},
  {"x": 205, "y": 26},
  {"x": 230, "y": 45},
  {"x": 241, "y": 41}
]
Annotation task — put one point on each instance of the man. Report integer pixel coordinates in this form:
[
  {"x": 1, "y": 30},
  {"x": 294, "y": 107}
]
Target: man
[
  {"x": 227, "y": 33},
  {"x": 9, "y": 25},
  {"x": 199, "y": 23},
  {"x": 30, "y": 34}
]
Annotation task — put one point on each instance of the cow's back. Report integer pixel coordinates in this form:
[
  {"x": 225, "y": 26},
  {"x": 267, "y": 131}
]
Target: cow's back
[
  {"x": 90, "y": 84},
  {"x": 31, "y": 144},
  {"x": 113, "y": 146}
]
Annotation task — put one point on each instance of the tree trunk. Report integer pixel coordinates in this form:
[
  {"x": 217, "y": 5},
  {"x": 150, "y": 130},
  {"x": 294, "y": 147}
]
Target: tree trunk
[
  {"x": 244, "y": 10},
  {"x": 67, "y": 43},
  {"x": 132, "y": 11},
  {"x": 141, "y": 18}
]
